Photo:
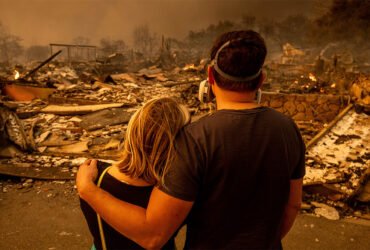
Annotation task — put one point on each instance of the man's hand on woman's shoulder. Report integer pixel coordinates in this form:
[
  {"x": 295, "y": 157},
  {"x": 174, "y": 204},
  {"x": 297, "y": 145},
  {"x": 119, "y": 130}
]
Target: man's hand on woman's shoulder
[{"x": 86, "y": 175}]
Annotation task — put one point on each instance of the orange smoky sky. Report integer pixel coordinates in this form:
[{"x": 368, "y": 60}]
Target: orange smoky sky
[{"x": 40, "y": 22}]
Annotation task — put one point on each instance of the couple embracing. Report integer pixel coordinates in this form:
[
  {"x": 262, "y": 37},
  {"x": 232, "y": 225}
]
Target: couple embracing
[{"x": 233, "y": 177}]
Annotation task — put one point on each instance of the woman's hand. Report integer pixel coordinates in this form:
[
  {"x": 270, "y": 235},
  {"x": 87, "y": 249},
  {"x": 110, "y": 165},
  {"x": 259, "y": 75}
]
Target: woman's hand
[{"x": 86, "y": 175}]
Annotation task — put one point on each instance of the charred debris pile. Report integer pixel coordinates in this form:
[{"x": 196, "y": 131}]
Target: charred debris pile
[{"x": 55, "y": 114}]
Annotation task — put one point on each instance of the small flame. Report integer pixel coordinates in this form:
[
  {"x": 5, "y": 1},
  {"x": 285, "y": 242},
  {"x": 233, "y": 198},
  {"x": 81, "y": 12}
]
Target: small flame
[
  {"x": 189, "y": 67},
  {"x": 16, "y": 75},
  {"x": 333, "y": 85},
  {"x": 312, "y": 77}
]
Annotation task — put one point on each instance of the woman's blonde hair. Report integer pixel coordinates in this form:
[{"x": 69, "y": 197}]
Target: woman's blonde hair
[{"x": 149, "y": 143}]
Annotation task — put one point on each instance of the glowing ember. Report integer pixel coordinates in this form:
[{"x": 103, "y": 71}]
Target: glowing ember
[
  {"x": 189, "y": 67},
  {"x": 16, "y": 74},
  {"x": 312, "y": 77}
]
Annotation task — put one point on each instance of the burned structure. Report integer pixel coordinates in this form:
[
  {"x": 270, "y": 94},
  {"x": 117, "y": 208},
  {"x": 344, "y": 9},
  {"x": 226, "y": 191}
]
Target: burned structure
[
  {"x": 50, "y": 130},
  {"x": 75, "y": 105}
]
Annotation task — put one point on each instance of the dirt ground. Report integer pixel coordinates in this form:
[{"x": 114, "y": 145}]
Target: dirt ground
[
  {"x": 43, "y": 215},
  {"x": 46, "y": 215}
]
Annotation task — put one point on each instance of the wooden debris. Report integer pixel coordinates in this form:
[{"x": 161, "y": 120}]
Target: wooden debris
[
  {"x": 11, "y": 125},
  {"x": 331, "y": 191},
  {"x": 123, "y": 77},
  {"x": 9, "y": 151},
  {"x": 36, "y": 172},
  {"x": 363, "y": 192},
  {"x": 78, "y": 110},
  {"x": 54, "y": 140},
  {"x": 105, "y": 118},
  {"x": 77, "y": 147},
  {"x": 69, "y": 100},
  {"x": 331, "y": 125}
]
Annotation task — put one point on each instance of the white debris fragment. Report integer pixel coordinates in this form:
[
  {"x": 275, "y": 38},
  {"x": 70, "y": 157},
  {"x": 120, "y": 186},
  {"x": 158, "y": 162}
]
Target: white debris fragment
[
  {"x": 75, "y": 119},
  {"x": 313, "y": 175},
  {"x": 58, "y": 163},
  {"x": 59, "y": 182},
  {"x": 326, "y": 211},
  {"x": 78, "y": 161},
  {"x": 131, "y": 85}
]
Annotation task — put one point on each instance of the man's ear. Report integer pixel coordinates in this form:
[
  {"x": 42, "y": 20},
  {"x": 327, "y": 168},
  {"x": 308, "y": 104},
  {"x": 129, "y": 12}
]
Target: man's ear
[
  {"x": 262, "y": 79},
  {"x": 211, "y": 78}
]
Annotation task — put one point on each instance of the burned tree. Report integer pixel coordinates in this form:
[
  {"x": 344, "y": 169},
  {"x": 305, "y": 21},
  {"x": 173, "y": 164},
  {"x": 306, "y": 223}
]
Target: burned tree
[
  {"x": 10, "y": 46},
  {"x": 37, "y": 52},
  {"x": 109, "y": 46},
  {"x": 144, "y": 40}
]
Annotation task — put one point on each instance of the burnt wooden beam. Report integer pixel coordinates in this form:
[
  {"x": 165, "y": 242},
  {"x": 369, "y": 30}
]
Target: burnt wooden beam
[
  {"x": 78, "y": 110},
  {"x": 28, "y": 171},
  {"x": 42, "y": 64},
  {"x": 103, "y": 118}
]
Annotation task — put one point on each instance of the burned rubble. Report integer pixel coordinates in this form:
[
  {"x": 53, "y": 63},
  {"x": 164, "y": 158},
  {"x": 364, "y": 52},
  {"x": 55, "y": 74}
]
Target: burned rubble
[
  {"x": 85, "y": 119},
  {"x": 338, "y": 167},
  {"x": 67, "y": 112}
]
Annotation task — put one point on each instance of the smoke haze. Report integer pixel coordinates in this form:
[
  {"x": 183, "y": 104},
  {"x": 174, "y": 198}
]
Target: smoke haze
[{"x": 59, "y": 21}]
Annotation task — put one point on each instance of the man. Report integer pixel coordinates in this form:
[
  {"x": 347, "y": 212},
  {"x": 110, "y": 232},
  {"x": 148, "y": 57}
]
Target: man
[{"x": 237, "y": 175}]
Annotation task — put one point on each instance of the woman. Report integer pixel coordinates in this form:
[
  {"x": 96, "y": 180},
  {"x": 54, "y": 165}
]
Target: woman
[{"x": 147, "y": 155}]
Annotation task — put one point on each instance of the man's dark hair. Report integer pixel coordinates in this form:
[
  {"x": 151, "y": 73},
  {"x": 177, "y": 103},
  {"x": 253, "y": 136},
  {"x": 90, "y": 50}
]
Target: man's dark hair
[{"x": 242, "y": 57}]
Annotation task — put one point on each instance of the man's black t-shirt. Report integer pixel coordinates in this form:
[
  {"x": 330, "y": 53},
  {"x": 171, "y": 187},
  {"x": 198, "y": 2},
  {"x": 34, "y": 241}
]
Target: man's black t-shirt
[{"x": 236, "y": 165}]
